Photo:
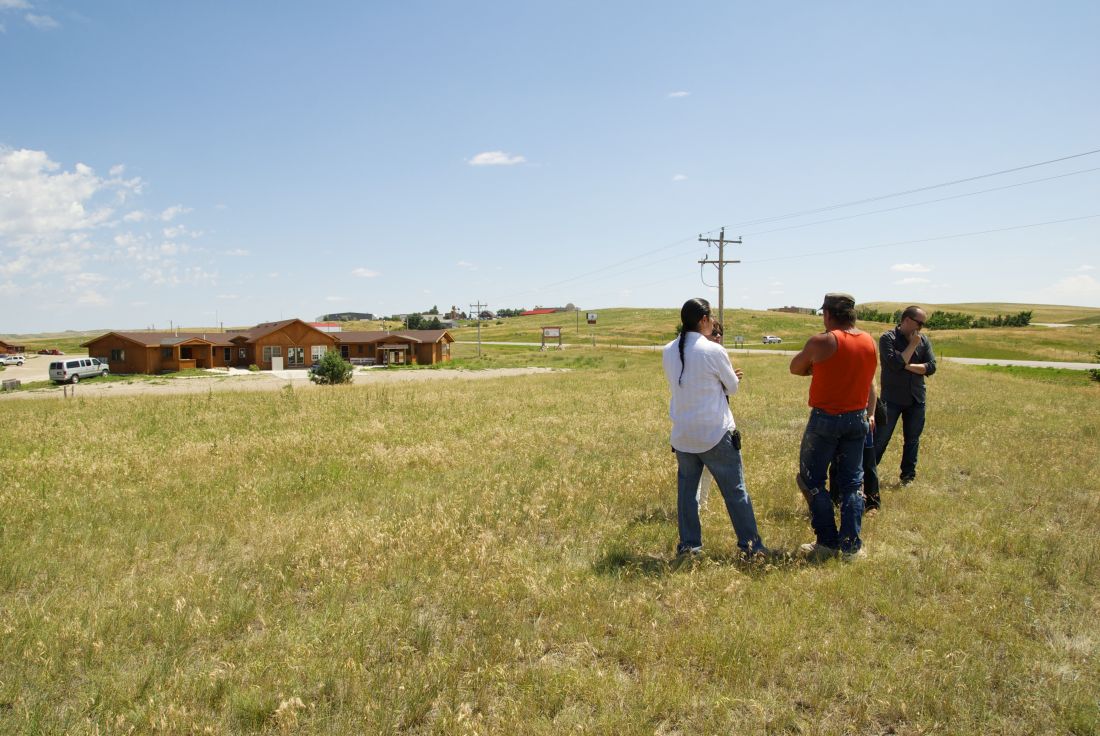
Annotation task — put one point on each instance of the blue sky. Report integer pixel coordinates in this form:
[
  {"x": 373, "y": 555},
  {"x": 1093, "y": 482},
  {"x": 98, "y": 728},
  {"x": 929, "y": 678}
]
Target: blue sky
[{"x": 239, "y": 162}]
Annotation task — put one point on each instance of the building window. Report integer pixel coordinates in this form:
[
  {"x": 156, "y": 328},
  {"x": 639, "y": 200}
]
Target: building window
[
  {"x": 243, "y": 353},
  {"x": 272, "y": 351},
  {"x": 360, "y": 349},
  {"x": 166, "y": 353},
  {"x": 316, "y": 352},
  {"x": 228, "y": 354},
  {"x": 118, "y": 355}
]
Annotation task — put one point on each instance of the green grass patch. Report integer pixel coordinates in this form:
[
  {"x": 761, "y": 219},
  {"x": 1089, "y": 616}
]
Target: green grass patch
[{"x": 1058, "y": 376}]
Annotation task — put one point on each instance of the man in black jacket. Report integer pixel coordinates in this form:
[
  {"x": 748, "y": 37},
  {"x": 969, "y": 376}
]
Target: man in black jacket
[{"x": 907, "y": 359}]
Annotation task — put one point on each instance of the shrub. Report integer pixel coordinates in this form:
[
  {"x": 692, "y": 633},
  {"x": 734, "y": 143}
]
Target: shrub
[
  {"x": 1095, "y": 372},
  {"x": 331, "y": 369},
  {"x": 254, "y": 368}
]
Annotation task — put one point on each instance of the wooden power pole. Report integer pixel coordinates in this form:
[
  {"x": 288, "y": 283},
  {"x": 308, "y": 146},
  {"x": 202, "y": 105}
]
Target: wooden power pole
[
  {"x": 476, "y": 308},
  {"x": 721, "y": 242}
]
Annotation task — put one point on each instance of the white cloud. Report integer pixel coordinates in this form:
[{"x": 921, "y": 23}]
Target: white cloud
[
  {"x": 135, "y": 216},
  {"x": 364, "y": 273},
  {"x": 237, "y": 252},
  {"x": 39, "y": 199},
  {"x": 910, "y": 268},
  {"x": 173, "y": 212},
  {"x": 466, "y": 265},
  {"x": 913, "y": 280},
  {"x": 496, "y": 158},
  {"x": 1081, "y": 289},
  {"x": 116, "y": 170},
  {"x": 1086, "y": 267},
  {"x": 41, "y": 22},
  {"x": 678, "y": 94},
  {"x": 679, "y": 177},
  {"x": 91, "y": 298},
  {"x": 14, "y": 5}
]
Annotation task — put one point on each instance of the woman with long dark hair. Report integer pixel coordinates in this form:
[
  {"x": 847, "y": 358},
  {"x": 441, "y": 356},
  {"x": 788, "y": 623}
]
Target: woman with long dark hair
[{"x": 703, "y": 431}]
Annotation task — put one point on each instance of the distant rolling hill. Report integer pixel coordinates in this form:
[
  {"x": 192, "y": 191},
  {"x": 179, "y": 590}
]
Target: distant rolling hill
[{"x": 1039, "y": 312}]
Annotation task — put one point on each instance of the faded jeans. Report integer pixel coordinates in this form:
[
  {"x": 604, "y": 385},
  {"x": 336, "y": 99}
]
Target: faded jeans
[
  {"x": 838, "y": 438},
  {"x": 724, "y": 463}
]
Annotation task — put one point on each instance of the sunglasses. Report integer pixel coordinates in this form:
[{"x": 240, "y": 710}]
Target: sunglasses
[{"x": 919, "y": 323}]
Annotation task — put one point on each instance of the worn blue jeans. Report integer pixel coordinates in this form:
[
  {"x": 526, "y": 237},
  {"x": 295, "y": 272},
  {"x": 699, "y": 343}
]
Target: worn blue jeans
[
  {"x": 912, "y": 424},
  {"x": 838, "y": 438},
  {"x": 724, "y": 463}
]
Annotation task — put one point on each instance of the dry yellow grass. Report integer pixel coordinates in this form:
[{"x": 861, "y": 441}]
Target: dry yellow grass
[{"x": 493, "y": 557}]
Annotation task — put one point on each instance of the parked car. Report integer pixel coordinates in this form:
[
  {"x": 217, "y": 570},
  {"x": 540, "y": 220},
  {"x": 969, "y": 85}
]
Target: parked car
[
  {"x": 14, "y": 359},
  {"x": 50, "y": 351},
  {"x": 77, "y": 368},
  {"x": 772, "y": 340}
]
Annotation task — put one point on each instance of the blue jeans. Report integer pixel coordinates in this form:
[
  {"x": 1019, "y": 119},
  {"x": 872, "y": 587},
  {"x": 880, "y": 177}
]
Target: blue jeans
[
  {"x": 835, "y": 438},
  {"x": 724, "y": 463},
  {"x": 912, "y": 424}
]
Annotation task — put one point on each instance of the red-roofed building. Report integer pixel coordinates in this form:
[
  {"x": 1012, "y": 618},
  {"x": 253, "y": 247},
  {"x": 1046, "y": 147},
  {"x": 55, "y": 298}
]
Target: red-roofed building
[{"x": 530, "y": 312}]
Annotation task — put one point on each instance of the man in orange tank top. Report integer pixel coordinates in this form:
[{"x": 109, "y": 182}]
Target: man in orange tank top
[{"x": 842, "y": 362}]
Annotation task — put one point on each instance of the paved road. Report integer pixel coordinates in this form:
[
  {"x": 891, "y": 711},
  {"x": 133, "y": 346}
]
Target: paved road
[{"x": 765, "y": 351}]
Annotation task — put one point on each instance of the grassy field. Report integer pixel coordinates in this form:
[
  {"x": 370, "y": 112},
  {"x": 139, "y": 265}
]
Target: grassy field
[
  {"x": 1053, "y": 313},
  {"x": 496, "y": 557}
]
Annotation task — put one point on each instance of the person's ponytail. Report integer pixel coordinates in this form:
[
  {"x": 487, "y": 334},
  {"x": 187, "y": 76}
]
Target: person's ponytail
[{"x": 691, "y": 314}]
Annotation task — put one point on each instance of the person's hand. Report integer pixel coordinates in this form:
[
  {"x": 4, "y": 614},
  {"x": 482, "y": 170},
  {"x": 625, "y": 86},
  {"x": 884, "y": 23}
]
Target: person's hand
[
  {"x": 871, "y": 421},
  {"x": 739, "y": 373},
  {"x": 914, "y": 337}
]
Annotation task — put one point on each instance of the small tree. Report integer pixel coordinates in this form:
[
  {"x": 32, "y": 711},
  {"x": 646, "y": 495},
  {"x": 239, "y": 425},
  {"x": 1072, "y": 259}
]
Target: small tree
[
  {"x": 331, "y": 369},
  {"x": 1095, "y": 373}
]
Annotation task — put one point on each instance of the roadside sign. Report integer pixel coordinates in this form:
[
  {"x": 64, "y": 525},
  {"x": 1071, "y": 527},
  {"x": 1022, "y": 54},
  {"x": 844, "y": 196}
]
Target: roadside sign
[
  {"x": 551, "y": 333},
  {"x": 591, "y": 318}
]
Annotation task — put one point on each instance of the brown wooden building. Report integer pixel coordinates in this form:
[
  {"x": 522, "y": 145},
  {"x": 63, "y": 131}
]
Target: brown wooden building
[
  {"x": 286, "y": 344},
  {"x": 7, "y": 348}
]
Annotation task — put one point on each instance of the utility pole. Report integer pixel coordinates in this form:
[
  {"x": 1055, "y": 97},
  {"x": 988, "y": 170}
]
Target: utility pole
[
  {"x": 476, "y": 309},
  {"x": 721, "y": 263}
]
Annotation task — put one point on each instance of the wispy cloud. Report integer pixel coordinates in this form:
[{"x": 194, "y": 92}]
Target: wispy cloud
[
  {"x": 913, "y": 280},
  {"x": 679, "y": 177},
  {"x": 496, "y": 158},
  {"x": 678, "y": 94},
  {"x": 365, "y": 273},
  {"x": 1080, "y": 289},
  {"x": 41, "y": 22},
  {"x": 1084, "y": 268},
  {"x": 173, "y": 212},
  {"x": 467, "y": 265},
  {"x": 910, "y": 268},
  {"x": 14, "y": 5},
  {"x": 237, "y": 252}
]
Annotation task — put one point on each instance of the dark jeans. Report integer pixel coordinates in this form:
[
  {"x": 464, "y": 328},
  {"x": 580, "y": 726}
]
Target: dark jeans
[
  {"x": 840, "y": 437},
  {"x": 912, "y": 424},
  {"x": 871, "y": 498}
]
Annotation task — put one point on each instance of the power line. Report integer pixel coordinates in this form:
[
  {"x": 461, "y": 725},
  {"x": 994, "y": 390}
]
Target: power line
[
  {"x": 866, "y": 200},
  {"x": 927, "y": 201},
  {"x": 953, "y": 236},
  {"x": 925, "y": 240}
]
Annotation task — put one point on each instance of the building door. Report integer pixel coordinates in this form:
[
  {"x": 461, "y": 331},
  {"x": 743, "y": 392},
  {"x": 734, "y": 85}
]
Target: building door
[{"x": 295, "y": 357}]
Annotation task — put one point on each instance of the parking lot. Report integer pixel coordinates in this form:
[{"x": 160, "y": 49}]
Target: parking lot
[{"x": 37, "y": 367}]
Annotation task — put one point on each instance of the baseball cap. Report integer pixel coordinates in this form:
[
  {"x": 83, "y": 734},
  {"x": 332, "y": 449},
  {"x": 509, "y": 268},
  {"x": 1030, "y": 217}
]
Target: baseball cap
[{"x": 838, "y": 300}]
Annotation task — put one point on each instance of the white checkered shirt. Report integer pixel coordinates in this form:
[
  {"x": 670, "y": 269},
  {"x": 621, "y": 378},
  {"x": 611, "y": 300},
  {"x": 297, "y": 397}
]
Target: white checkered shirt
[{"x": 699, "y": 409}]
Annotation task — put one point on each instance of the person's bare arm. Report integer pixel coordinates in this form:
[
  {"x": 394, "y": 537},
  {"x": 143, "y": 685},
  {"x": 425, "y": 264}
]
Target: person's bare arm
[
  {"x": 817, "y": 349},
  {"x": 872, "y": 402}
]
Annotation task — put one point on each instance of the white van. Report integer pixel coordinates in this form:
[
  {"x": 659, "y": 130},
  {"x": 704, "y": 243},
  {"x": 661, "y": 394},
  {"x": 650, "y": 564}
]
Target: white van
[{"x": 73, "y": 369}]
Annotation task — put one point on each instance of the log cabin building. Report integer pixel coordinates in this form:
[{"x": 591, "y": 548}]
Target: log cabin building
[{"x": 287, "y": 344}]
